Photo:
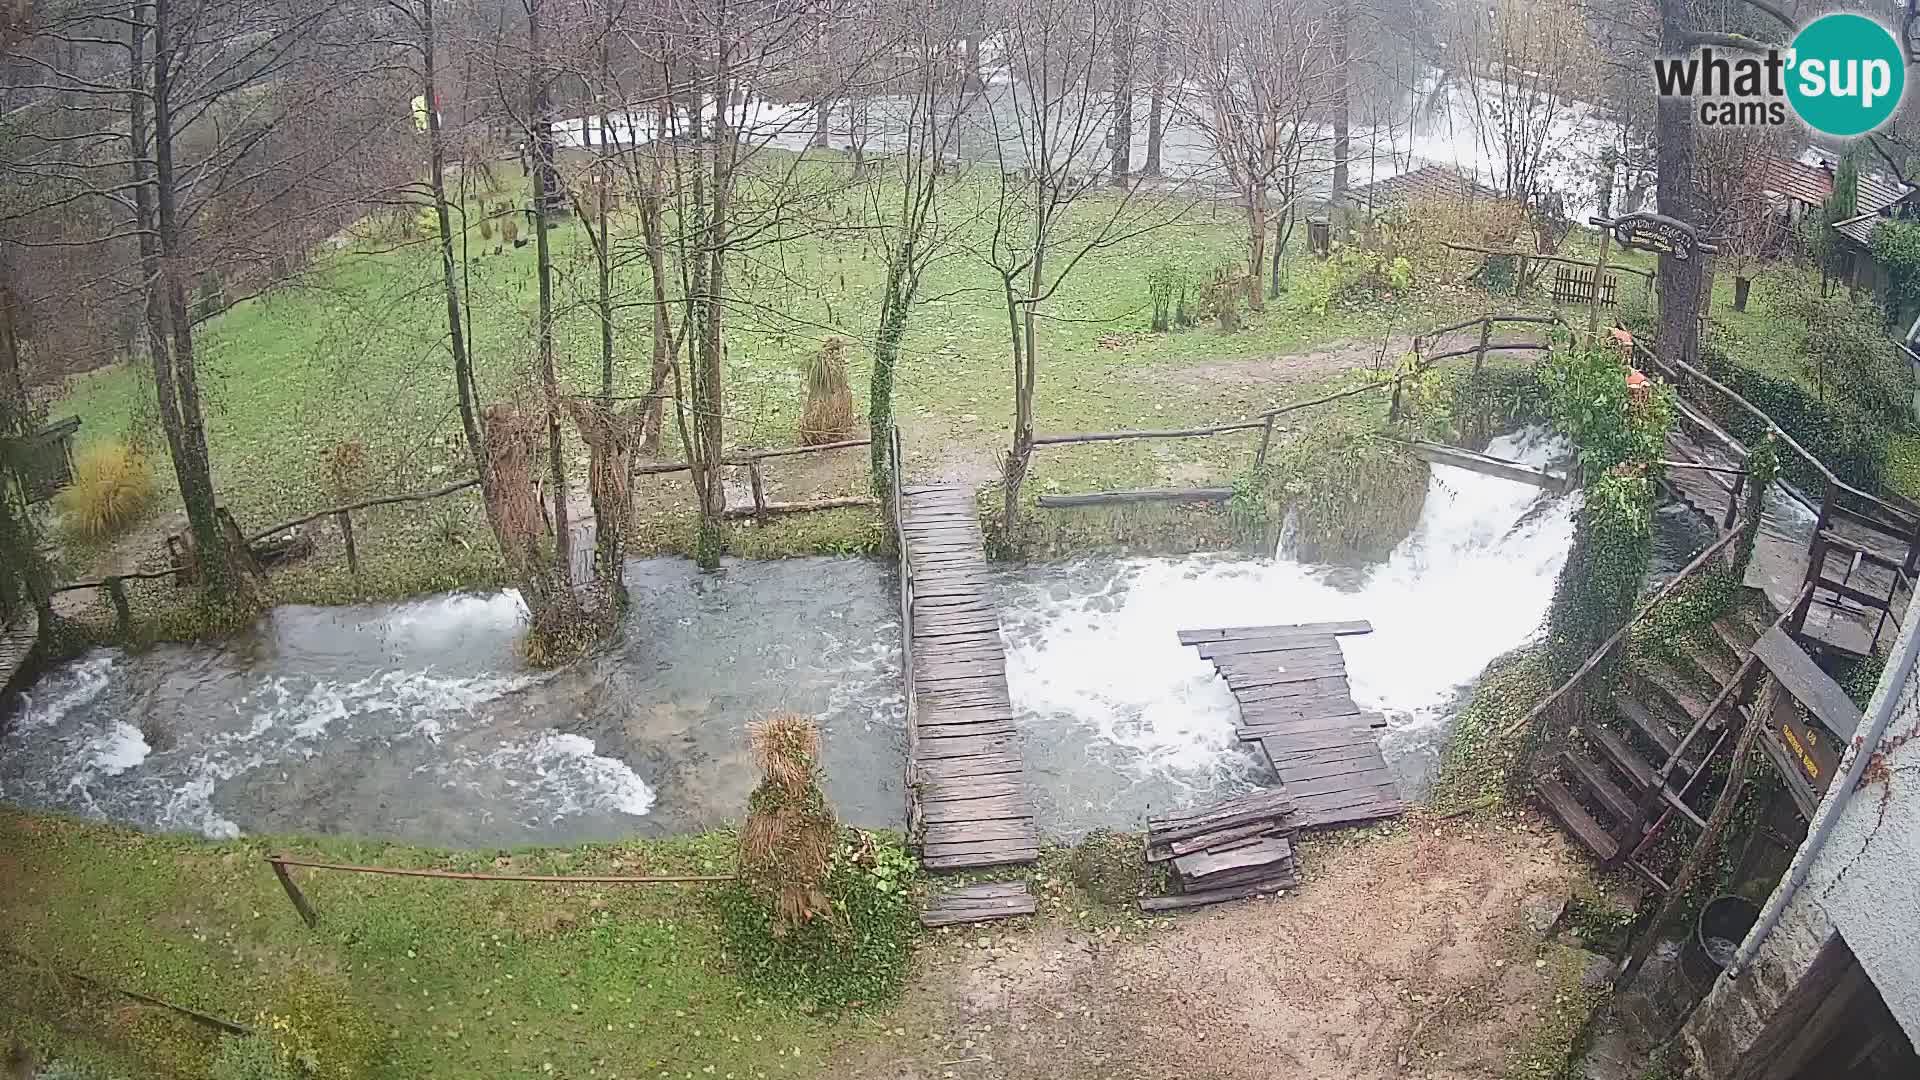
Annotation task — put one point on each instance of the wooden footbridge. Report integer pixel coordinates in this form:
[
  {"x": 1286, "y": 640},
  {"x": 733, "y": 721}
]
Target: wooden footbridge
[
  {"x": 1295, "y": 704},
  {"x": 967, "y": 799}
]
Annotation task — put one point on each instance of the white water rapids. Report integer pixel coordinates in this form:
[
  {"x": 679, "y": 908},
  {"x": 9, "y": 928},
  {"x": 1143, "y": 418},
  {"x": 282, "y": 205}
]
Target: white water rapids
[
  {"x": 1119, "y": 716},
  {"x": 417, "y": 721}
]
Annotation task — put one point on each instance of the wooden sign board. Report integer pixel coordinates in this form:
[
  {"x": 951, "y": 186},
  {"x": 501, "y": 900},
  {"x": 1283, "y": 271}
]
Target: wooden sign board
[
  {"x": 1807, "y": 748},
  {"x": 1656, "y": 232}
]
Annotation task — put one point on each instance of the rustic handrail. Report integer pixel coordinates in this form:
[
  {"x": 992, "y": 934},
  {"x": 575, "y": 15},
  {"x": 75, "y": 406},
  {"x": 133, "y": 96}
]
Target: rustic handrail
[
  {"x": 896, "y": 462},
  {"x": 1599, "y": 654},
  {"x": 366, "y": 504},
  {"x": 308, "y": 915},
  {"x": 1819, "y": 466},
  {"x": 750, "y": 458},
  {"x": 1546, "y": 258}
]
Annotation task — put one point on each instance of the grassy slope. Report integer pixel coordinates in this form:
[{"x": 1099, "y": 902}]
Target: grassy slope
[
  {"x": 356, "y": 352},
  {"x": 473, "y": 979}
]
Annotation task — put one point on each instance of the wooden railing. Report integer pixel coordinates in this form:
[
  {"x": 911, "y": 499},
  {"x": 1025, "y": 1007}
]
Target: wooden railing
[
  {"x": 1267, "y": 422},
  {"x": 896, "y": 465},
  {"x": 113, "y": 586},
  {"x": 1838, "y": 502}
]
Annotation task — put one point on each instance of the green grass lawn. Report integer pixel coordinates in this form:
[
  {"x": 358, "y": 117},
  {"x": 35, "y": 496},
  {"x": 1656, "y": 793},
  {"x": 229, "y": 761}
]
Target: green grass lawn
[
  {"x": 458, "y": 979},
  {"x": 355, "y": 352}
]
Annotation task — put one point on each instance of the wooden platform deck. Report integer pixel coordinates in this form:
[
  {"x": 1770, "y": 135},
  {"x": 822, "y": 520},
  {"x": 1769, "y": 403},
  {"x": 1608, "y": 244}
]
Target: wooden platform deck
[
  {"x": 968, "y": 801},
  {"x": 982, "y": 902},
  {"x": 1291, "y": 683}
]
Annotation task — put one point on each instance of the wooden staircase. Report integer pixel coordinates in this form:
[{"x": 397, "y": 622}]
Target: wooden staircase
[{"x": 1606, "y": 789}]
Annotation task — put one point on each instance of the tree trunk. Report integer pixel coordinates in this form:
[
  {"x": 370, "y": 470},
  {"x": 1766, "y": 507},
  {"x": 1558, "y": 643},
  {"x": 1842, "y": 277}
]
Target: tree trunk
[
  {"x": 1120, "y": 136},
  {"x": 1340, "y": 104},
  {"x": 1256, "y": 246},
  {"x": 437, "y": 178},
  {"x": 1157, "y": 100},
  {"x": 894, "y": 308},
  {"x": 1282, "y": 228},
  {"x": 1678, "y": 337},
  {"x": 223, "y": 574},
  {"x": 540, "y": 136},
  {"x": 652, "y": 226}
]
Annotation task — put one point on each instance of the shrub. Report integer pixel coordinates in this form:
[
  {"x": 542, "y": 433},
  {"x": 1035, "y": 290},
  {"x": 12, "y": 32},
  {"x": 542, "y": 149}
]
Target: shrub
[
  {"x": 486, "y": 227},
  {"x": 250, "y": 1057},
  {"x": 1588, "y": 399},
  {"x": 319, "y": 1033},
  {"x": 1167, "y": 287},
  {"x": 112, "y": 488},
  {"x": 1108, "y": 867},
  {"x": 857, "y": 957},
  {"x": 510, "y": 229},
  {"x": 1847, "y": 353},
  {"x": 1837, "y": 432},
  {"x": 1352, "y": 496}
]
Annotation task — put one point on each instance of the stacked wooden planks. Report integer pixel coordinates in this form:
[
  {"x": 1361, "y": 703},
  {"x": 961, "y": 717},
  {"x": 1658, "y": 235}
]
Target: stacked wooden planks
[
  {"x": 968, "y": 801},
  {"x": 1230, "y": 851},
  {"x": 978, "y": 903},
  {"x": 1291, "y": 683}
]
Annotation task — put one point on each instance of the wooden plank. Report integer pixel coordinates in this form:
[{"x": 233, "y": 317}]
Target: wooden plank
[
  {"x": 1269, "y": 801},
  {"x": 1210, "y": 650},
  {"x": 1803, "y": 680},
  {"x": 1263, "y": 851},
  {"x": 1163, "y": 852},
  {"x": 972, "y": 787},
  {"x": 1153, "y": 904},
  {"x": 1002, "y": 807},
  {"x": 972, "y": 766},
  {"x": 952, "y": 746},
  {"x": 1337, "y": 629},
  {"x": 951, "y": 832}
]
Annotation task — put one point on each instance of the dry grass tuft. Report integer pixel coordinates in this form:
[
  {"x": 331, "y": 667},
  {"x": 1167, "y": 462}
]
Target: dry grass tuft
[
  {"x": 111, "y": 490},
  {"x": 786, "y": 845},
  {"x": 828, "y": 416}
]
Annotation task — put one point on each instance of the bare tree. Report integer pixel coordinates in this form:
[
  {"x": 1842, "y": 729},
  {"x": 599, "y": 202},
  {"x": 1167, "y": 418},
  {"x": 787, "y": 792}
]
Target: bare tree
[
  {"x": 1258, "y": 70},
  {"x": 912, "y": 232},
  {"x": 1049, "y": 211},
  {"x": 1517, "y": 60}
]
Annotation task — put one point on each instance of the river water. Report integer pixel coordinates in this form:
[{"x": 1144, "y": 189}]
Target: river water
[{"x": 417, "y": 721}]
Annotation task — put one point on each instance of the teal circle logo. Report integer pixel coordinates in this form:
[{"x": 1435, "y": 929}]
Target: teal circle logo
[{"x": 1846, "y": 74}]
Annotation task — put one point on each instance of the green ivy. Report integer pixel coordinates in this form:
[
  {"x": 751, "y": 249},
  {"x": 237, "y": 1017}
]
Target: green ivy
[
  {"x": 855, "y": 959},
  {"x": 1896, "y": 247},
  {"x": 1600, "y": 584}
]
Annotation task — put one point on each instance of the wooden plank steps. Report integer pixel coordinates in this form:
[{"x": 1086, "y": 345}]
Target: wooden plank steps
[
  {"x": 1295, "y": 704},
  {"x": 16, "y": 647},
  {"x": 968, "y": 804},
  {"x": 1596, "y": 783},
  {"x": 1568, "y": 811},
  {"x": 983, "y": 902}
]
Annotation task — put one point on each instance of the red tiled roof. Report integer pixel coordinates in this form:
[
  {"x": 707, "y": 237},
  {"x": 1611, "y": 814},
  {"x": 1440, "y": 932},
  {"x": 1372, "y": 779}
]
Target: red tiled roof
[
  {"x": 1429, "y": 182},
  {"x": 1809, "y": 184}
]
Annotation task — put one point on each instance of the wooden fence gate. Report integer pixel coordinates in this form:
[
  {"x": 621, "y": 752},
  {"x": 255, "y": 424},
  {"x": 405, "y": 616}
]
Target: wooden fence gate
[{"x": 1572, "y": 285}]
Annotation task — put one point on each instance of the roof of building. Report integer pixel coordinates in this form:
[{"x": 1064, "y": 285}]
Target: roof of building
[
  {"x": 1426, "y": 182},
  {"x": 1797, "y": 180},
  {"x": 1859, "y": 228}
]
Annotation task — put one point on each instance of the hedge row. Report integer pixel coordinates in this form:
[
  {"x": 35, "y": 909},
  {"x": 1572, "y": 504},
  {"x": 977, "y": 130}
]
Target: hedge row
[{"x": 1839, "y": 433}]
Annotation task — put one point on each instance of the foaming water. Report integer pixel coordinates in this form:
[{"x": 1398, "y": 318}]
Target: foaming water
[
  {"x": 1118, "y": 717},
  {"x": 418, "y": 721}
]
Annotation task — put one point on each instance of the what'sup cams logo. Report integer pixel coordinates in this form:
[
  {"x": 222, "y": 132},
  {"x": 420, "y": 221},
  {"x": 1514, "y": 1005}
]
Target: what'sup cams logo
[{"x": 1843, "y": 75}]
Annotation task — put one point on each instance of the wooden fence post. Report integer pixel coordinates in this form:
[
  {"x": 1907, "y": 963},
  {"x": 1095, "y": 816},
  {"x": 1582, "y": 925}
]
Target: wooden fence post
[
  {"x": 1479, "y": 379},
  {"x": 122, "y": 611},
  {"x": 1266, "y": 441},
  {"x": 759, "y": 489},
  {"x": 294, "y": 894},
  {"x": 344, "y": 519}
]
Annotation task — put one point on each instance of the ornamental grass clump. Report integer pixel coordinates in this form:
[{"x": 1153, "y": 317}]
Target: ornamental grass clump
[{"x": 828, "y": 416}]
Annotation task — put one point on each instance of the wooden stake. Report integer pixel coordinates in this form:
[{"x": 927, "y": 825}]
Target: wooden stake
[
  {"x": 1709, "y": 840},
  {"x": 1599, "y": 274},
  {"x": 122, "y": 612},
  {"x": 759, "y": 490},
  {"x": 300, "y": 904},
  {"x": 344, "y": 520}
]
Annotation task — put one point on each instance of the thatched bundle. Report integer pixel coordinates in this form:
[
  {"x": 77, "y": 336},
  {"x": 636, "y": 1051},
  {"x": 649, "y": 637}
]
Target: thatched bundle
[
  {"x": 513, "y": 499},
  {"x": 610, "y": 437},
  {"x": 786, "y": 846},
  {"x": 828, "y": 416}
]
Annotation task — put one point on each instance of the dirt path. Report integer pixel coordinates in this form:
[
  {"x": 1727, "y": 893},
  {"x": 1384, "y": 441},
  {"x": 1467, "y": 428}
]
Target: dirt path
[{"x": 1413, "y": 955}]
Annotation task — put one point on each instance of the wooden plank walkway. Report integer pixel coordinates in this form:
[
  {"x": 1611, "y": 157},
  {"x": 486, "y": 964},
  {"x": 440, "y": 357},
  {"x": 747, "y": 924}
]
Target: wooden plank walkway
[
  {"x": 968, "y": 800},
  {"x": 1291, "y": 683},
  {"x": 978, "y": 903},
  {"x": 16, "y": 645}
]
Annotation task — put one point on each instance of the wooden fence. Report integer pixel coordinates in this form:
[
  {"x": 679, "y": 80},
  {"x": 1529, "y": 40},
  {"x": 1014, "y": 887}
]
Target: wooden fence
[
  {"x": 311, "y": 916},
  {"x": 1267, "y": 422},
  {"x": 113, "y": 586}
]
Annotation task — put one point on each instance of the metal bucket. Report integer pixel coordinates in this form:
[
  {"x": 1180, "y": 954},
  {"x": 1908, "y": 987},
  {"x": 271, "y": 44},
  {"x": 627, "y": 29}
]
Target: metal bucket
[{"x": 1722, "y": 925}]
